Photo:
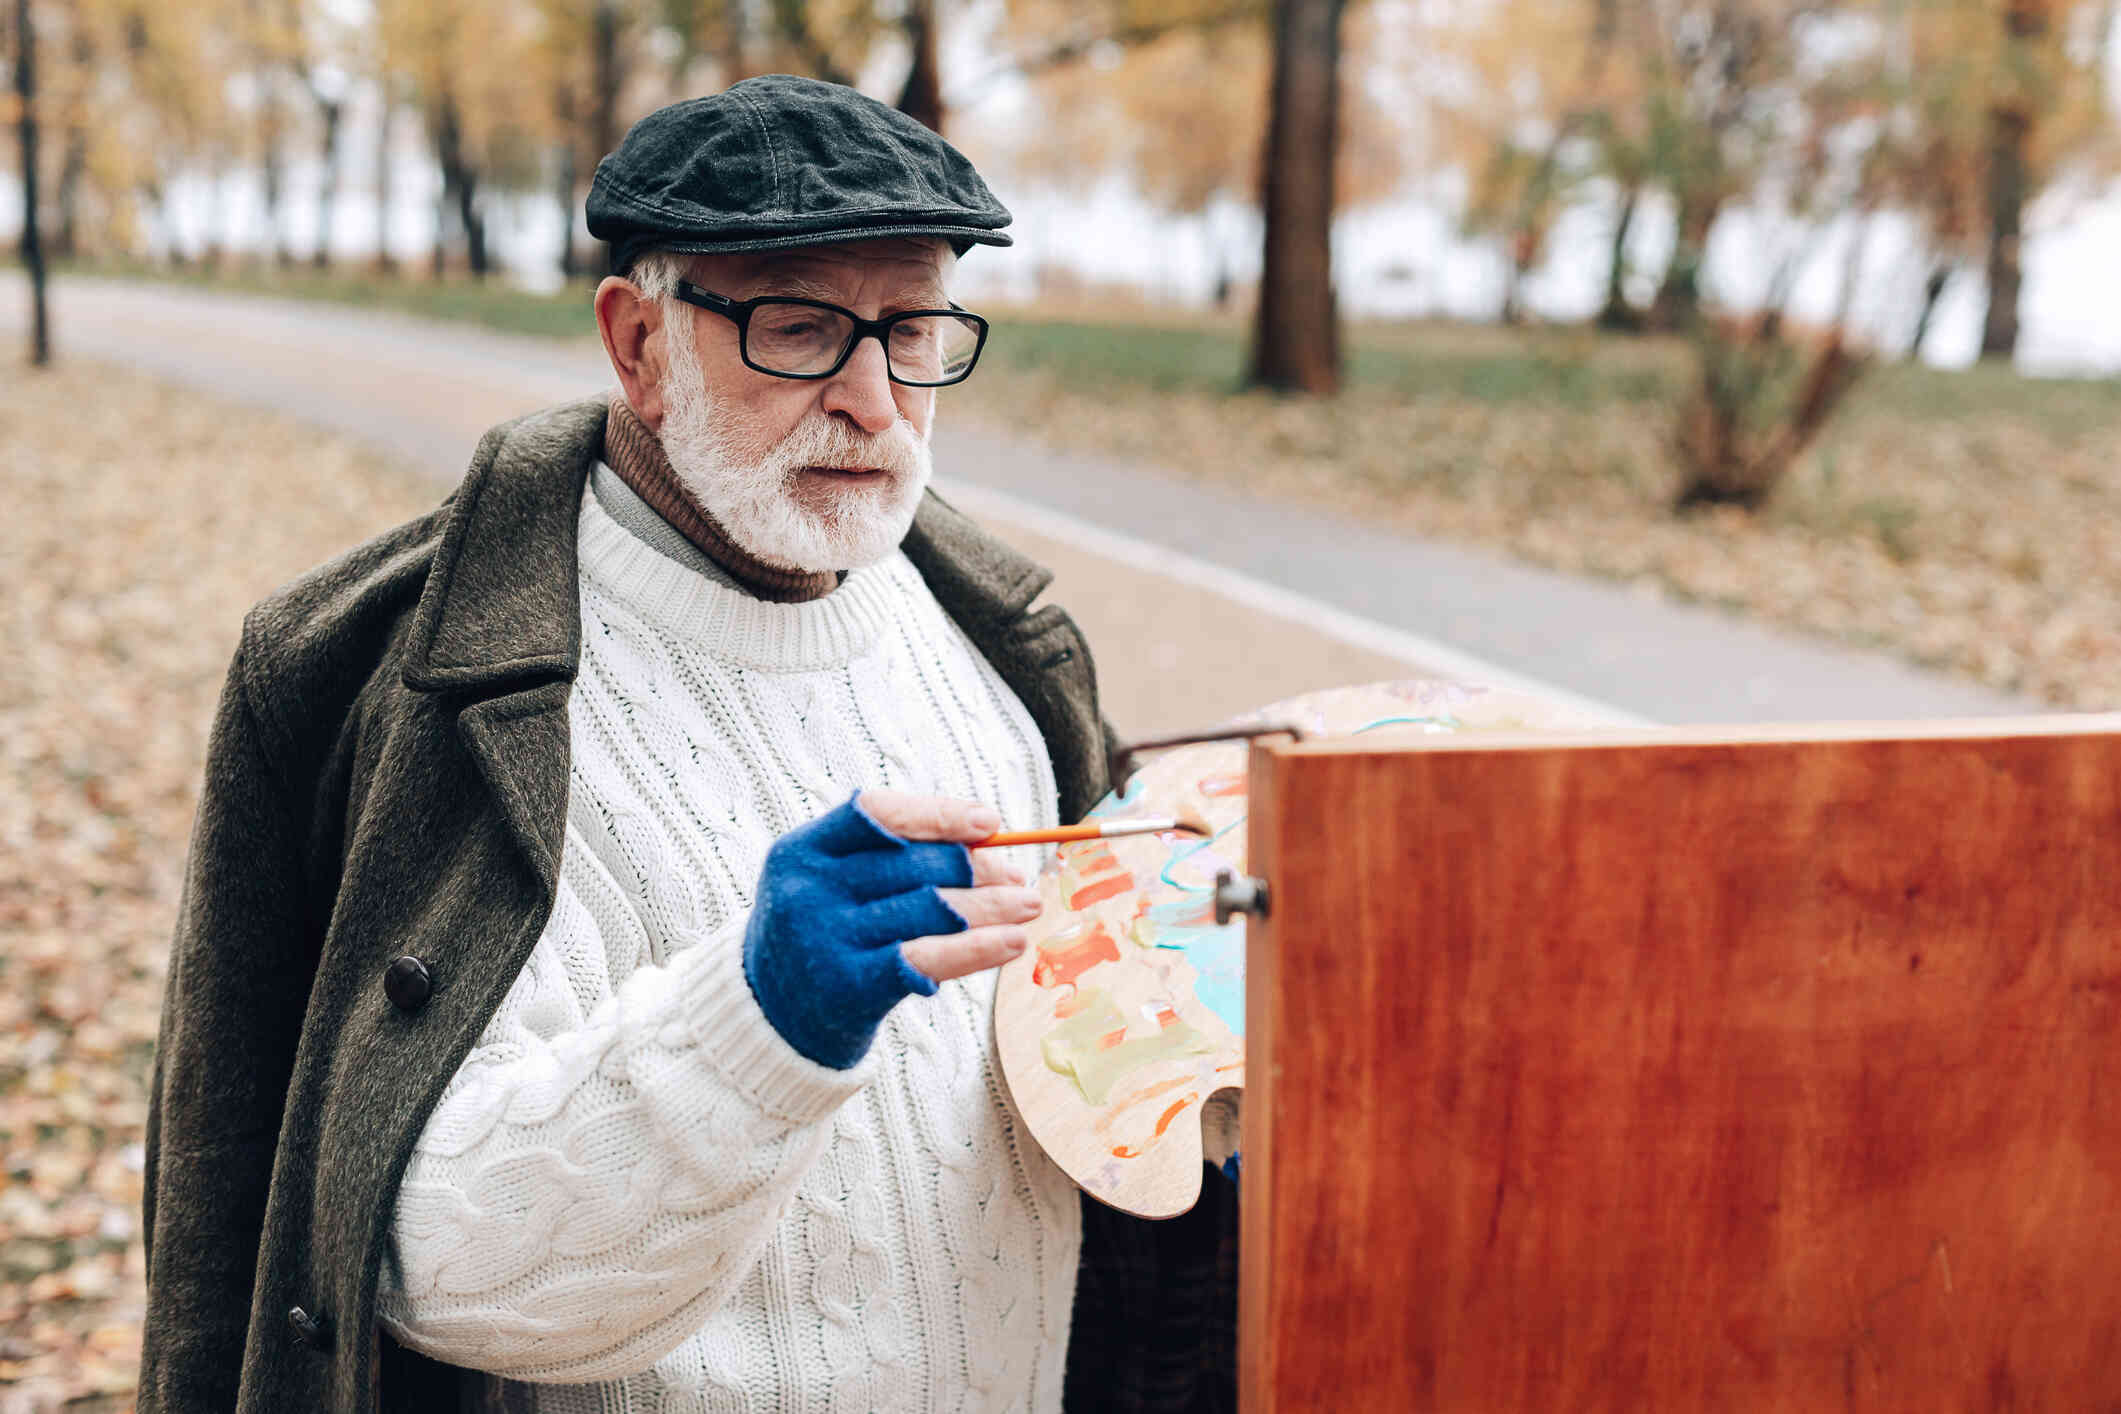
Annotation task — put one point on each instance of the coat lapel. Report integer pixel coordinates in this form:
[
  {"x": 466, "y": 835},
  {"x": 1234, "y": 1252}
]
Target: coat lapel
[
  {"x": 515, "y": 739},
  {"x": 499, "y": 624}
]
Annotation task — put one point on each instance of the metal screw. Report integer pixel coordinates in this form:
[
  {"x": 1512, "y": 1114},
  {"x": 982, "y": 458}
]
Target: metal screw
[{"x": 1235, "y": 895}]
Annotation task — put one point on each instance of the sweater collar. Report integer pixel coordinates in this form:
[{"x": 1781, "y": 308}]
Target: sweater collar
[
  {"x": 502, "y": 598},
  {"x": 634, "y": 451}
]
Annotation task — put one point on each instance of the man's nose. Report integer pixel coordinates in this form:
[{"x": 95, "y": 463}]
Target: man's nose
[{"x": 862, "y": 388}]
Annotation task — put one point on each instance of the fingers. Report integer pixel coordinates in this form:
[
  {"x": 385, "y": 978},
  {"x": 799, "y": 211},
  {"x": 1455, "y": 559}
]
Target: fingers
[
  {"x": 962, "y": 954},
  {"x": 992, "y": 866},
  {"x": 998, "y": 903},
  {"x": 996, "y": 916},
  {"x": 930, "y": 817}
]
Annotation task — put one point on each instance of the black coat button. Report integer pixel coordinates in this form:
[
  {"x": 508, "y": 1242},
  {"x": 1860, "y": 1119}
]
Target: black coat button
[
  {"x": 312, "y": 1331},
  {"x": 408, "y": 984}
]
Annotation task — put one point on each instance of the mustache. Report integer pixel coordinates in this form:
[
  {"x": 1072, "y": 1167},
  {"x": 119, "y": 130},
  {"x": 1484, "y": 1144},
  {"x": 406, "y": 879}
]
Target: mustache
[{"x": 825, "y": 441}]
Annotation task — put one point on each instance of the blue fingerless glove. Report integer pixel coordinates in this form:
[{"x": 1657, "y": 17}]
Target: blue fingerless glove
[{"x": 835, "y": 900}]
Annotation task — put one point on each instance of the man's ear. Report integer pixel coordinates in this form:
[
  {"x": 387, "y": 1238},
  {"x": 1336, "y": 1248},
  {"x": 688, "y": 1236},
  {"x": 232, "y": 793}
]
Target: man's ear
[{"x": 632, "y": 326}]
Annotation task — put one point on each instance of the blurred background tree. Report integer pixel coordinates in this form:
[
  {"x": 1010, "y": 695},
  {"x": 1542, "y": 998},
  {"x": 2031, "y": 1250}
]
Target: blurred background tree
[
  {"x": 27, "y": 115},
  {"x": 220, "y": 128},
  {"x": 2010, "y": 97}
]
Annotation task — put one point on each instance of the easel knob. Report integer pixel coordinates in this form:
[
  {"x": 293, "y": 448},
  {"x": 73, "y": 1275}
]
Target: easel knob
[{"x": 1235, "y": 895}]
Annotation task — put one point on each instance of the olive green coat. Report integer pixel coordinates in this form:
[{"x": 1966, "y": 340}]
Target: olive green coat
[{"x": 388, "y": 775}]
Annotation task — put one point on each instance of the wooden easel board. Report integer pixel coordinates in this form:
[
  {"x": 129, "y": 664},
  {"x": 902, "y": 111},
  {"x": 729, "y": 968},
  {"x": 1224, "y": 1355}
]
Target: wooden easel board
[{"x": 1687, "y": 1070}]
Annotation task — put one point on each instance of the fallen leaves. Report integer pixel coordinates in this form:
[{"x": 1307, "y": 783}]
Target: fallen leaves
[{"x": 142, "y": 523}]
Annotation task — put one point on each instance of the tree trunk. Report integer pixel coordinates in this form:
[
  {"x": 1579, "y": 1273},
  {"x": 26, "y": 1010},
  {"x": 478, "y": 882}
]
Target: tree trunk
[
  {"x": 331, "y": 112},
  {"x": 274, "y": 178},
  {"x": 2026, "y": 25},
  {"x": 1518, "y": 265},
  {"x": 1618, "y": 314},
  {"x": 1296, "y": 332},
  {"x": 460, "y": 191},
  {"x": 1932, "y": 291},
  {"x": 385, "y": 111},
  {"x": 213, "y": 251},
  {"x": 40, "y": 338},
  {"x": 2009, "y": 130},
  {"x": 563, "y": 188},
  {"x": 72, "y": 168},
  {"x": 922, "y": 96},
  {"x": 1678, "y": 298}
]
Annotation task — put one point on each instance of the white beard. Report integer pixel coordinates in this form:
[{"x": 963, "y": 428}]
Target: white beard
[{"x": 758, "y": 494}]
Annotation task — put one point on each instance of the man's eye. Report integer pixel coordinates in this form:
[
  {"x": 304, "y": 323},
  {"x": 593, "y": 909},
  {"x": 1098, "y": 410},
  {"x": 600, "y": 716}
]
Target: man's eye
[{"x": 791, "y": 328}]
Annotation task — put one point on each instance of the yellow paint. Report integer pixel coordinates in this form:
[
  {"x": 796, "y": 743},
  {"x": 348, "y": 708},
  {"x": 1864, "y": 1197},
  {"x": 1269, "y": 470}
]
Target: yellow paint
[{"x": 1092, "y": 1047}]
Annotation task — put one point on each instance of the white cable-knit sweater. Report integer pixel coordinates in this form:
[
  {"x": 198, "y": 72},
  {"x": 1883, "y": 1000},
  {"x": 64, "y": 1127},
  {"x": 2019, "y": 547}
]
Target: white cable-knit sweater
[{"x": 634, "y": 1193}]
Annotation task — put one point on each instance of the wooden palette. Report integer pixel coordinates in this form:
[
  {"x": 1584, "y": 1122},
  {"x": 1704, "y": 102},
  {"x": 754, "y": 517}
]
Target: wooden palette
[{"x": 1123, "y": 1023}]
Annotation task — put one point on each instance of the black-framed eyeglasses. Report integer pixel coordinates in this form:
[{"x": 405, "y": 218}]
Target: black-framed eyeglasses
[{"x": 807, "y": 338}]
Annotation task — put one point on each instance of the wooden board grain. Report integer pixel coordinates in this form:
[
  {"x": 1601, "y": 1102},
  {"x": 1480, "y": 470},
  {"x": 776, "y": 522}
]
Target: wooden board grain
[{"x": 1687, "y": 1073}]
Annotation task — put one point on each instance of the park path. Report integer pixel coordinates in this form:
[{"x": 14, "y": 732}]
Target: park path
[{"x": 1199, "y": 602}]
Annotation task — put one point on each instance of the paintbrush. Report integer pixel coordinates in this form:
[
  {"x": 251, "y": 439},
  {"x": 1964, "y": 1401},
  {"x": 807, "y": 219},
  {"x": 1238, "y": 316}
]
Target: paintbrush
[{"x": 1099, "y": 830}]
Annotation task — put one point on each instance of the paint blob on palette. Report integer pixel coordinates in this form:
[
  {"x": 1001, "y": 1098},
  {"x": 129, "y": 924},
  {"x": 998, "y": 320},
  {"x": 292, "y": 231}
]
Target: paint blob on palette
[{"x": 1123, "y": 1023}]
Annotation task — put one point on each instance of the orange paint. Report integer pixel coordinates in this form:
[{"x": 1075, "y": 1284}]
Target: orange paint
[
  {"x": 1068, "y": 1006},
  {"x": 1128, "y": 1151},
  {"x": 1232, "y": 783},
  {"x": 1098, "y": 892},
  {"x": 1089, "y": 857},
  {"x": 1061, "y": 962},
  {"x": 1118, "y": 1107},
  {"x": 1111, "y": 1039},
  {"x": 1094, "y": 875}
]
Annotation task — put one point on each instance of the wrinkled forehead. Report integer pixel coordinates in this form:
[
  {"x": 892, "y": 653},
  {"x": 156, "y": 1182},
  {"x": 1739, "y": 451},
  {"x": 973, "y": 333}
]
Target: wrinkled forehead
[{"x": 900, "y": 272}]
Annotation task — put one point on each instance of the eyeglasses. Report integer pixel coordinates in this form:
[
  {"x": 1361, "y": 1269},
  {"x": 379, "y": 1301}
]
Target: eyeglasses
[{"x": 807, "y": 338}]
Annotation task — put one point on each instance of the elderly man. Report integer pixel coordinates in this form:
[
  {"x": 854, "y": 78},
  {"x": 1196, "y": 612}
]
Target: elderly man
[{"x": 582, "y": 994}]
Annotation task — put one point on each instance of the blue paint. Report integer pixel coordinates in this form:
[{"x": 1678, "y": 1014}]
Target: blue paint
[
  {"x": 1446, "y": 723},
  {"x": 1217, "y": 954},
  {"x": 1187, "y": 852}
]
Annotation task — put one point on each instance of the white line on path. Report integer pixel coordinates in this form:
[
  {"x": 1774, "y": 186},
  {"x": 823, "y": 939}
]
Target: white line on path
[{"x": 1352, "y": 629}]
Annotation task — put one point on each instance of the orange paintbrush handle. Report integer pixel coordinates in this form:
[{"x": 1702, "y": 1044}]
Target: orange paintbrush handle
[
  {"x": 1089, "y": 830},
  {"x": 1061, "y": 835}
]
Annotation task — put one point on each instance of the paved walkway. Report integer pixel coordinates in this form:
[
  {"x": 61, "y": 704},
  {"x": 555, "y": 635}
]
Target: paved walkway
[{"x": 1199, "y": 603}]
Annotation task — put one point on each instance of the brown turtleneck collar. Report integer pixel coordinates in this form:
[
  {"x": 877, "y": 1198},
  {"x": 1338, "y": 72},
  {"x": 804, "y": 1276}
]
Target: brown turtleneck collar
[{"x": 634, "y": 451}]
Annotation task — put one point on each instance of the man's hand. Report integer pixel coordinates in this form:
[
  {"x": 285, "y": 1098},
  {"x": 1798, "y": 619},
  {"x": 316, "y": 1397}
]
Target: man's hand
[
  {"x": 995, "y": 908},
  {"x": 872, "y": 903}
]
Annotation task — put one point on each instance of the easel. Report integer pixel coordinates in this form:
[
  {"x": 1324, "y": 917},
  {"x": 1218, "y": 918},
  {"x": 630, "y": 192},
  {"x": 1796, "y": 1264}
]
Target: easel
[{"x": 1686, "y": 1070}]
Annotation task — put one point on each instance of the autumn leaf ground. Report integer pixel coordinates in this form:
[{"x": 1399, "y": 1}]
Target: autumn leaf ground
[{"x": 141, "y": 523}]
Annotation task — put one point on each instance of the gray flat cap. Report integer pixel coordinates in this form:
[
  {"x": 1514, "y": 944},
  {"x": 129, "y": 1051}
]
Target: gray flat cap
[{"x": 779, "y": 161}]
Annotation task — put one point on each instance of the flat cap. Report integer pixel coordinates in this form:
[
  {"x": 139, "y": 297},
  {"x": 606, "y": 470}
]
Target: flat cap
[{"x": 779, "y": 161}]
